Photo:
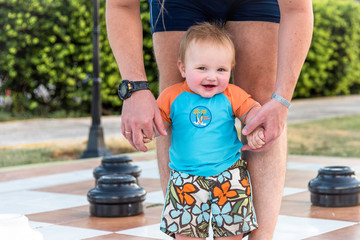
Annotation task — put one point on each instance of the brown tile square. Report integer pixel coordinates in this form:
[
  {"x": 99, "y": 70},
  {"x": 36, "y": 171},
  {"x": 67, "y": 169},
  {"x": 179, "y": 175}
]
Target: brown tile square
[
  {"x": 80, "y": 217},
  {"x": 298, "y": 178},
  {"x": 78, "y": 188},
  {"x": 61, "y": 216},
  {"x": 300, "y": 205},
  {"x": 36, "y": 170},
  {"x": 82, "y": 188}
]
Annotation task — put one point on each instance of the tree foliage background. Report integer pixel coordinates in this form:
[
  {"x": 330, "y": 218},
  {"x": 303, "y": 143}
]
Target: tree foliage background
[
  {"x": 46, "y": 55},
  {"x": 332, "y": 66}
]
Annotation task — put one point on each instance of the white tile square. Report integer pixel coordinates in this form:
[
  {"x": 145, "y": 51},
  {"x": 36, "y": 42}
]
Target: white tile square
[
  {"x": 46, "y": 181},
  {"x": 155, "y": 197},
  {"x": 58, "y": 232},
  {"x": 29, "y": 202},
  {"x": 149, "y": 169},
  {"x": 296, "y": 228},
  {"x": 289, "y": 191},
  {"x": 287, "y": 228},
  {"x": 151, "y": 231}
]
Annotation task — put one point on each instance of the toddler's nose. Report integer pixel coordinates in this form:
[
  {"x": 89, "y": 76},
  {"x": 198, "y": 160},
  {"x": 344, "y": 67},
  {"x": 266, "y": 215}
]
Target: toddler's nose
[{"x": 211, "y": 77}]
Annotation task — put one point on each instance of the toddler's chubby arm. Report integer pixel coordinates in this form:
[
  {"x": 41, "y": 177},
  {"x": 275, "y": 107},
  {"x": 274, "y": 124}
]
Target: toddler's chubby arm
[{"x": 256, "y": 139}]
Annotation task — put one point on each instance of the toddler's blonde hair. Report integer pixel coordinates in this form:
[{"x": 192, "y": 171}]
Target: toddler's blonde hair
[{"x": 206, "y": 33}]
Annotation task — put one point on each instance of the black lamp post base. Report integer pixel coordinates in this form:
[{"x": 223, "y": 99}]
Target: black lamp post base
[
  {"x": 95, "y": 153},
  {"x": 96, "y": 145}
]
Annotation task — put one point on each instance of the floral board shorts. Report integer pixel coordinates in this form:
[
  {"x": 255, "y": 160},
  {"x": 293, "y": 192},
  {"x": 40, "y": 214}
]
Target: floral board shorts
[{"x": 226, "y": 198}]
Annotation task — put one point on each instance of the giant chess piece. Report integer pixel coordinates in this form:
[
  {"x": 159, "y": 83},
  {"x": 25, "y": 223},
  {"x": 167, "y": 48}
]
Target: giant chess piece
[
  {"x": 116, "y": 164},
  {"x": 116, "y": 195},
  {"x": 335, "y": 186}
]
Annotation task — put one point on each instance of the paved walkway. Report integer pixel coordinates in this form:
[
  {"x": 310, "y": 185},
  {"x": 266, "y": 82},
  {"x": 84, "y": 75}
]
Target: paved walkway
[{"x": 48, "y": 131}]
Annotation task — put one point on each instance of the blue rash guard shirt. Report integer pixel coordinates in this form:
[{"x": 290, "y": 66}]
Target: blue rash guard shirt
[{"x": 204, "y": 140}]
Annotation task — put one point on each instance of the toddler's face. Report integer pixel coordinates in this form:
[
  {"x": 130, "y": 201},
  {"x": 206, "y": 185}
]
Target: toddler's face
[{"x": 207, "y": 68}]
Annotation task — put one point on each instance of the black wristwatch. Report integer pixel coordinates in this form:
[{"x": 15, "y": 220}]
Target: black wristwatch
[{"x": 126, "y": 88}]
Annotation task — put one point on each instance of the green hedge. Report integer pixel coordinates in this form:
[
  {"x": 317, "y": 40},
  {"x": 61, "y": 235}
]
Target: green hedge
[
  {"x": 46, "y": 47},
  {"x": 332, "y": 66}
]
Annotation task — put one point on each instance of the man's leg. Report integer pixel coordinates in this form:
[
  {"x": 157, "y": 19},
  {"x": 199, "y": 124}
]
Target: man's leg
[
  {"x": 256, "y": 46},
  {"x": 166, "y": 50}
]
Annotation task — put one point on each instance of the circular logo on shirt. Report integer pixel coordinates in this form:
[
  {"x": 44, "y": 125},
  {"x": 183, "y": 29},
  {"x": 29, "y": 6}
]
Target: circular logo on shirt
[{"x": 200, "y": 116}]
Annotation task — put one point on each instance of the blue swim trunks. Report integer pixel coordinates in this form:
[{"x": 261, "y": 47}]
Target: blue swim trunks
[{"x": 179, "y": 15}]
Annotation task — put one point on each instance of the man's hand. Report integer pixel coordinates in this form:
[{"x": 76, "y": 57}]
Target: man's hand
[
  {"x": 272, "y": 117},
  {"x": 140, "y": 118}
]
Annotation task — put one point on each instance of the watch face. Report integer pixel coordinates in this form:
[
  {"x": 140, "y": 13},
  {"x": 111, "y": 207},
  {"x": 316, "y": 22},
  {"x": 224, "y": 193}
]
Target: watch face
[
  {"x": 126, "y": 88},
  {"x": 123, "y": 90}
]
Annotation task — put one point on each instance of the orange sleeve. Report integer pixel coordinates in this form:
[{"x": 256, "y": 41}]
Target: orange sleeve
[
  {"x": 165, "y": 100},
  {"x": 241, "y": 101}
]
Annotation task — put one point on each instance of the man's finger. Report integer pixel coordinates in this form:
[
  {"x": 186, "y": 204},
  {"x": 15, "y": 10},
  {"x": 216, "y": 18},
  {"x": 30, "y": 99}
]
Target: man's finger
[
  {"x": 159, "y": 125},
  {"x": 129, "y": 138},
  {"x": 251, "y": 125},
  {"x": 138, "y": 141}
]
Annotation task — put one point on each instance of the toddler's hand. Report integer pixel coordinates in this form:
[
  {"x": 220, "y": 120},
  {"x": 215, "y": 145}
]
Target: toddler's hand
[
  {"x": 146, "y": 139},
  {"x": 157, "y": 134},
  {"x": 256, "y": 139}
]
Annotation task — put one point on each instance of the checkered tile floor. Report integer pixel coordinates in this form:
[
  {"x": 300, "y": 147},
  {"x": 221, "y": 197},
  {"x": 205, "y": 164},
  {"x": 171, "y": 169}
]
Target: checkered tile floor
[{"x": 53, "y": 197}]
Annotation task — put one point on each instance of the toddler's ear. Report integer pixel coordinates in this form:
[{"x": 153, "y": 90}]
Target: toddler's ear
[{"x": 181, "y": 67}]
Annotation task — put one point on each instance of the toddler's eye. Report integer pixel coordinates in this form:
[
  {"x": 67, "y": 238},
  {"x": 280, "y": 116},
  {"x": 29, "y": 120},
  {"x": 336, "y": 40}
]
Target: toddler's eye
[
  {"x": 221, "y": 70},
  {"x": 201, "y": 68}
]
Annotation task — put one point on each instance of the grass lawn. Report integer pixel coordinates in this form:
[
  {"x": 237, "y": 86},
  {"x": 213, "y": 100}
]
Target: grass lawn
[
  {"x": 61, "y": 152},
  {"x": 337, "y": 137}
]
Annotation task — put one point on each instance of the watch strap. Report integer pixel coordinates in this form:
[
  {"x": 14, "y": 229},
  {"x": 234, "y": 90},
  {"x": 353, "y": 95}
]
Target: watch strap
[{"x": 140, "y": 85}]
